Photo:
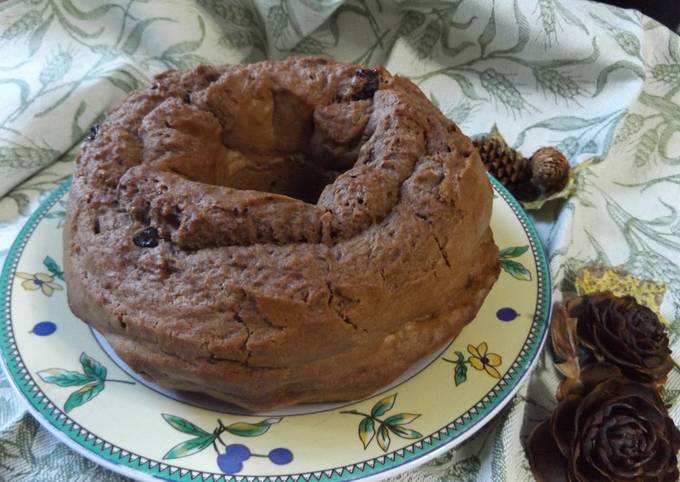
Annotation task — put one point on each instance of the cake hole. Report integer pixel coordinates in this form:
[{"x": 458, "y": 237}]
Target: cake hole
[
  {"x": 281, "y": 160},
  {"x": 96, "y": 228}
]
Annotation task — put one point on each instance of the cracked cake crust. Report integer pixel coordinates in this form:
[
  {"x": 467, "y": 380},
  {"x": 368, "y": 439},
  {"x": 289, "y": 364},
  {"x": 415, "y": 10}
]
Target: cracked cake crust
[{"x": 279, "y": 232}]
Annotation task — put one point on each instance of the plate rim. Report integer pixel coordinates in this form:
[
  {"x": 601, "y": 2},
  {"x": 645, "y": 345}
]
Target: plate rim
[{"x": 375, "y": 468}]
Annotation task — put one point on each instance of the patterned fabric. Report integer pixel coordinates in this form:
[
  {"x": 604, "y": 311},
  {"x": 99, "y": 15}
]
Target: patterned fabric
[{"x": 602, "y": 84}]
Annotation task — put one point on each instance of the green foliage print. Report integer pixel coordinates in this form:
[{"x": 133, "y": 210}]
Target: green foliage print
[
  {"x": 479, "y": 358},
  {"x": 551, "y": 15},
  {"x": 579, "y": 135},
  {"x": 202, "y": 439},
  {"x": 92, "y": 381},
  {"x": 653, "y": 132},
  {"x": 370, "y": 14},
  {"x": 511, "y": 266},
  {"x": 552, "y": 77},
  {"x": 374, "y": 426}
]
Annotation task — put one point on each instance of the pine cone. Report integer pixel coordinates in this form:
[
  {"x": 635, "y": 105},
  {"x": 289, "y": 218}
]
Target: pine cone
[
  {"x": 549, "y": 169},
  {"x": 507, "y": 165}
]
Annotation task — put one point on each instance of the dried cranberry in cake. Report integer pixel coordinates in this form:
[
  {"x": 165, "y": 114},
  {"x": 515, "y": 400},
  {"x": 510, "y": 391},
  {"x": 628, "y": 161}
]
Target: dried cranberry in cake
[
  {"x": 365, "y": 83},
  {"x": 94, "y": 129},
  {"x": 146, "y": 238}
]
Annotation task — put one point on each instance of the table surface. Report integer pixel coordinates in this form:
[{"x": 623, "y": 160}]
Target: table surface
[{"x": 600, "y": 83}]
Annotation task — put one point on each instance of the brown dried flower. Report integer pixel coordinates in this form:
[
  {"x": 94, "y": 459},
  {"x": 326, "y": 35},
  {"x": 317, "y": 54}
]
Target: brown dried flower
[
  {"x": 549, "y": 169},
  {"x": 601, "y": 327},
  {"x": 610, "y": 429}
]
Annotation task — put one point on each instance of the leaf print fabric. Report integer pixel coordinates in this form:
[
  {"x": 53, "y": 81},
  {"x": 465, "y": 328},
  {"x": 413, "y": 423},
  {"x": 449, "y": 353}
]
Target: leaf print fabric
[{"x": 601, "y": 84}]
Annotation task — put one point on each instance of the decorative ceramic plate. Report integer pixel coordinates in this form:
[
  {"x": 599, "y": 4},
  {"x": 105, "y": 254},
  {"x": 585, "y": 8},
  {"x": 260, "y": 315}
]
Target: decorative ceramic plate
[{"x": 84, "y": 394}]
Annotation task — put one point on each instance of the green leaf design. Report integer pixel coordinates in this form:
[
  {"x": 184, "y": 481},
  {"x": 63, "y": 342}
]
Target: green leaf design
[
  {"x": 36, "y": 38},
  {"x": 83, "y": 395},
  {"x": 674, "y": 47},
  {"x": 292, "y": 19},
  {"x": 404, "y": 432},
  {"x": 319, "y": 5},
  {"x": 271, "y": 420},
  {"x": 92, "y": 367},
  {"x": 188, "y": 46},
  {"x": 523, "y": 32},
  {"x": 429, "y": 38},
  {"x": 190, "y": 447},
  {"x": 65, "y": 378},
  {"x": 383, "y": 438},
  {"x": 515, "y": 269},
  {"x": 621, "y": 64},
  {"x": 366, "y": 431},
  {"x": 135, "y": 37},
  {"x": 513, "y": 251},
  {"x": 183, "y": 425},
  {"x": 76, "y": 131},
  {"x": 489, "y": 32},
  {"x": 465, "y": 86},
  {"x": 383, "y": 406},
  {"x": 277, "y": 17},
  {"x": 646, "y": 147},
  {"x": 120, "y": 83},
  {"x": 93, "y": 14},
  {"x": 333, "y": 20},
  {"x": 401, "y": 419},
  {"x": 567, "y": 123},
  {"x": 453, "y": 51},
  {"x": 53, "y": 267},
  {"x": 22, "y": 26},
  {"x": 666, "y": 107},
  {"x": 411, "y": 21},
  {"x": 24, "y": 88},
  {"x": 245, "y": 429},
  {"x": 74, "y": 29},
  {"x": 460, "y": 373},
  {"x": 664, "y": 140},
  {"x": 570, "y": 17}
]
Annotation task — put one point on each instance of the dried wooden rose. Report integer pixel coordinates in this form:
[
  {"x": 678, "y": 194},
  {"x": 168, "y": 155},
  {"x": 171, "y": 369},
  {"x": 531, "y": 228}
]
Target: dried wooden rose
[
  {"x": 609, "y": 429},
  {"x": 603, "y": 327}
]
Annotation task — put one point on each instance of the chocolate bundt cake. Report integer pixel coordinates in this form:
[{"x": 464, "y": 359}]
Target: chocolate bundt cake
[{"x": 278, "y": 233}]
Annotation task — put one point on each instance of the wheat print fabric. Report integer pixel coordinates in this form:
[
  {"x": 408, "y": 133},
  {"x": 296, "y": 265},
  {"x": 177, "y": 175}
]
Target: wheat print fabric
[{"x": 602, "y": 84}]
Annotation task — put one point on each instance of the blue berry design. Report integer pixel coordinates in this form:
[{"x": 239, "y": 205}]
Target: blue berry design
[
  {"x": 239, "y": 451},
  {"x": 280, "y": 456},
  {"x": 44, "y": 328},
  {"x": 231, "y": 458},
  {"x": 231, "y": 461},
  {"x": 506, "y": 314}
]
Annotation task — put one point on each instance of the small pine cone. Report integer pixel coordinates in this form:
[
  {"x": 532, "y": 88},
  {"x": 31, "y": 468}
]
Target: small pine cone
[
  {"x": 549, "y": 169},
  {"x": 507, "y": 165}
]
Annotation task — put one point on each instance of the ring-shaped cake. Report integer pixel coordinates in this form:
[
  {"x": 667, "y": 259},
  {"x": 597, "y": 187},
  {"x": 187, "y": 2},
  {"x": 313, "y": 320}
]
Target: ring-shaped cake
[{"x": 279, "y": 232}]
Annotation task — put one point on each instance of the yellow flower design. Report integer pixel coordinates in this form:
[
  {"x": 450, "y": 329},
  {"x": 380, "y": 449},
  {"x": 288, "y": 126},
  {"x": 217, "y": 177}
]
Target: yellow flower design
[
  {"x": 481, "y": 359},
  {"x": 39, "y": 281}
]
